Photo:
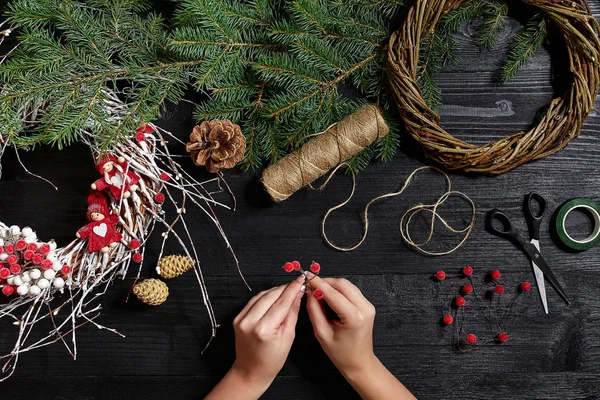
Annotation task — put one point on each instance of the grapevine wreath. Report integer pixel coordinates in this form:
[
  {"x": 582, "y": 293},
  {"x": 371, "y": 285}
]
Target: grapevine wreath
[{"x": 561, "y": 123}]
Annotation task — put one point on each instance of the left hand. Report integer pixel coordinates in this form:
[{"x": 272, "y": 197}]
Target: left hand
[{"x": 265, "y": 330}]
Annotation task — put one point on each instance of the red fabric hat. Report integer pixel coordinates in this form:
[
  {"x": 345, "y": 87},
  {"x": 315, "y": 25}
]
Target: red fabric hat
[
  {"x": 103, "y": 160},
  {"x": 97, "y": 203}
]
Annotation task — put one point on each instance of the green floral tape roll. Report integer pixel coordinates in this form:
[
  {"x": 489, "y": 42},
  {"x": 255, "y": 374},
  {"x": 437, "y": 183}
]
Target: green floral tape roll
[{"x": 582, "y": 204}]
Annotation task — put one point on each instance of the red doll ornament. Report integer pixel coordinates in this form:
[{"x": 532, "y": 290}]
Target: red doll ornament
[
  {"x": 100, "y": 232},
  {"x": 115, "y": 179}
]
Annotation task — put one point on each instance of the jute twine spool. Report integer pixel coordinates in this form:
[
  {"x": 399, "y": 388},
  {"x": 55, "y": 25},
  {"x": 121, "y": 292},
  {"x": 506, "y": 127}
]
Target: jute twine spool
[{"x": 330, "y": 148}]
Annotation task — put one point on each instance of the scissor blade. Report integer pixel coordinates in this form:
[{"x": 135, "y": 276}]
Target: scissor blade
[
  {"x": 539, "y": 278},
  {"x": 536, "y": 256}
]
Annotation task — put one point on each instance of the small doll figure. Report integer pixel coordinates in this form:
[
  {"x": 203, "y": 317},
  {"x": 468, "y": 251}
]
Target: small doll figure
[
  {"x": 100, "y": 232},
  {"x": 114, "y": 178}
]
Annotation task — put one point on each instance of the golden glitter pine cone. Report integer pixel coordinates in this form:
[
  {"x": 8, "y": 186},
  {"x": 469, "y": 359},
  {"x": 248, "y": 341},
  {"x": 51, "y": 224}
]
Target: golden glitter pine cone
[
  {"x": 217, "y": 144},
  {"x": 153, "y": 292},
  {"x": 172, "y": 266}
]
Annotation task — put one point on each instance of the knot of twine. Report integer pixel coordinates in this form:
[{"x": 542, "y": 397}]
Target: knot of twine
[
  {"x": 407, "y": 217},
  {"x": 335, "y": 145}
]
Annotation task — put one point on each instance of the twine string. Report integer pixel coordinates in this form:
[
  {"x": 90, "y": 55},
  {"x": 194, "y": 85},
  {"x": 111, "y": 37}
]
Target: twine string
[{"x": 407, "y": 217}]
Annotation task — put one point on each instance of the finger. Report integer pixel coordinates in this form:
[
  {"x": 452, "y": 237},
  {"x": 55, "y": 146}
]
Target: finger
[
  {"x": 292, "y": 318},
  {"x": 337, "y": 301},
  {"x": 251, "y": 303},
  {"x": 349, "y": 290},
  {"x": 280, "y": 309},
  {"x": 318, "y": 318},
  {"x": 263, "y": 304}
]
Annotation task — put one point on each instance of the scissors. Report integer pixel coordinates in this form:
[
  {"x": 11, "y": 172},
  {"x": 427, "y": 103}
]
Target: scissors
[{"x": 531, "y": 247}]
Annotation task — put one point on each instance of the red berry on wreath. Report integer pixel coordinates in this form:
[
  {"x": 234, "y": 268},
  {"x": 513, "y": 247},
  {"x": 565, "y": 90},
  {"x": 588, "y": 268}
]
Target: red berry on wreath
[
  {"x": 46, "y": 264},
  {"x": 471, "y": 339},
  {"x": 296, "y": 265},
  {"x": 495, "y": 274},
  {"x": 448, "y": 320},
  {"x": 467, "y": 271},
  {"x": 8, "y": 290},
  {"x": 159, "y": 198},
  {"x": 21, "y": 245},
  {"x": 140, "y": 136},
  {"x": 460, "y": 301},
  {"x": 467, "y": 289},
  {"x": 4, "y": 273},
  {"x": 318, "y": 294},
  {"x": 44, "y": 249},
  {"x": 15, "y": 269},
  {"x": 134, "y": 244},
  {"x": 145, "y": 129},
  {"x": 288, "y": 267},
  {"x": 315, "y": 267},
  {"x": 137, "y": 257},
  {"x": 37, "y": 258},
  {"x": 32, "y": 247},
  {"x": 525, "y": 286},
  {"x": 499, "y": 289},
  {"x": 165, "y": 177},
  {"x": 65, "y": 269},
  {"x": 12, "y": 259},
  {"x": 502, "y": 337},
  {"x": 28, "y": 254},
  {"x": 9, "y": 248},
  {"x": 440, "y": 275}
]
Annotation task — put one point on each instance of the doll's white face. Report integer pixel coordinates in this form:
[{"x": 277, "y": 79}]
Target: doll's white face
[
  {"x": 107, "y": 167},
  {"x": 97, "y": 216}
]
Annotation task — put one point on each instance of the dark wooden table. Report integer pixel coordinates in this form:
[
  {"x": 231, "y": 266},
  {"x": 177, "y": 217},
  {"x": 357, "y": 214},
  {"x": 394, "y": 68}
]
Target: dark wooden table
[{"x": 551, "y": 357}]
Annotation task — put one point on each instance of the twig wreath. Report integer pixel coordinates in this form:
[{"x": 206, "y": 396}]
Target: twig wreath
[{"x": 561, "y": 123}]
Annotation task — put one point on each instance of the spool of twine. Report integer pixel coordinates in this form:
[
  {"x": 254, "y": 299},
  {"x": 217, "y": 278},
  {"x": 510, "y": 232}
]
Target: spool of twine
[{"x": 330, "y": 148}]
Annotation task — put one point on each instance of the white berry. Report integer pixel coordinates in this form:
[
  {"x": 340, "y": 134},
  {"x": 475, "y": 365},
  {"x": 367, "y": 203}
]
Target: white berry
[
  {"x": 43, "y": 283},
  {"x": 51, "y": 257},
  {"x": 10, "y": 280},
  {"x": 49, "y": 274},
  {"x": 17, "y": 281},
  {"x": 56, "y": 266},
  {"x": 23, "y": 289},
  {"x": 27, "y": 231},
  {"x": 25, "y": 277},
  {"x": 14, "y": 230},
  {"x": 58, "y": 283},
  {"x": 31, "y": 238},
  {"x": 34, "y": 290},
  {"x": 3, "y": 256},
  {"x": 1, "y": 242},
  {"x": 35, "y": 274},
  {"x": 52, "y": 244},
  {"x": 4, "y": 232}
]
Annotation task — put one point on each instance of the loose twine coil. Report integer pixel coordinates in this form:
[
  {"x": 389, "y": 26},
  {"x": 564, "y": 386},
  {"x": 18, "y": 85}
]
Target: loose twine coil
[
  {"x": 561, "y": 123},
  {"x": 328, "y": 149}
]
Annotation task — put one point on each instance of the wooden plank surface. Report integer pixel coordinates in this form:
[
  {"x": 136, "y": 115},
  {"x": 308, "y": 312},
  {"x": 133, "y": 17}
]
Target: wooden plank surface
[{"x": 548, "y": 357}]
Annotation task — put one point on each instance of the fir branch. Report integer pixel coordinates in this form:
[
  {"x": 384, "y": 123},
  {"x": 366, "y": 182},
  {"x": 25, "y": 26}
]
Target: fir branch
[{"x": 524, "y": 45}]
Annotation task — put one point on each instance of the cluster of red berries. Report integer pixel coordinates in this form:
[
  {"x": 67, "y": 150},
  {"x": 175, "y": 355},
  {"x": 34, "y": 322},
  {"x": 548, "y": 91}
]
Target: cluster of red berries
[
  {"x": 466, "y": 289},
  {"x": 314, "y": 267}
]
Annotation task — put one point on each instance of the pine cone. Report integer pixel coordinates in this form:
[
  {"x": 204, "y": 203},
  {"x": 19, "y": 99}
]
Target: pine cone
[
  {"x": 153, "y": 292},
  {"x": 216, "y": 144},
  {"x": 170, "y": 267}
]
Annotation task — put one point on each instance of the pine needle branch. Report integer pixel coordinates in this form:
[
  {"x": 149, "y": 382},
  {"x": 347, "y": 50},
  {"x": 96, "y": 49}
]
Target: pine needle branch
[{"x": 524, "y": 45}]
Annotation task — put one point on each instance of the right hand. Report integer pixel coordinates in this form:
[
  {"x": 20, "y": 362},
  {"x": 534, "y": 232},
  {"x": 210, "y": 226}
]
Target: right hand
[{"x": 348, "y": 341}]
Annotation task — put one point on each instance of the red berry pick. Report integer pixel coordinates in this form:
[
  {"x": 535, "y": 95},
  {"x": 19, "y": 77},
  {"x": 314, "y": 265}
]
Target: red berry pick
[
  {"x": 471, "y": 339},
  {"x": 159, "y": 198},
  {"x": 502, "y": 337},
  {"x": 32, "y": 247},
  {"x": 8, "y": 290},
  {"x": 137, "y": 257},
  {"x": 134, "y": 244},
  {"x": 495, "y": 274},
  {"x": 315, "y": 267},
  {"x": 44, "y": 249},
  {"x": 296, "y": 265},
  {"x": 448, "y": 320},
  {"x": 460, "y": 301},
  {"x": 164, "y": 177},
  {"x": 288, "y": 267},
  {"x": 21, "y": 245},
  {"x": 318, "y": 294},
  {"x": 140, "y": 136},
  {"x": 28, "y": 254},
  {"x": 37, "y": 258},
  {"x": 525, "y": 286},
  {"x": 499, "y": 289},
  {"x": 4, "y": 273},
  {"x": 467, "y": 289},
  {"x": 467, "y": 271},
  {"x": 440, "y": 275}
]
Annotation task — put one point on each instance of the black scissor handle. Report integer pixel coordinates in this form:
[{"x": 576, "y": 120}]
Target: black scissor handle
[
  {"x": 508, "y": 231},
  {"x": 534, "y": 219}
]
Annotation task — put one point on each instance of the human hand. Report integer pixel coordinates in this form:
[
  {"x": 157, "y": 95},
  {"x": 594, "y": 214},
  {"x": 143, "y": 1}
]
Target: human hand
[
  {"x": 348, "y": 341},
  {"x": 264, "y": 332}
]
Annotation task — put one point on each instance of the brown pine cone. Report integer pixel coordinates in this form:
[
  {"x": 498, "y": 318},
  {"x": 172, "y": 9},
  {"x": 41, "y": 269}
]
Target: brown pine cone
[
  {"x": 216, "y": 144},
  {"x": 172, "y": 266},
  {"x": 153, "y": 292}
]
